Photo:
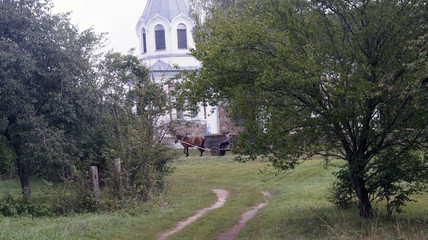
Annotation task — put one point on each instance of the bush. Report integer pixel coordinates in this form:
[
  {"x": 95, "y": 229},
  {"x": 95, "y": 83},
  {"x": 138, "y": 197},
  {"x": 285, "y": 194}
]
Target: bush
[
  {"x": 143, "y": 173},
  {"x": 341, "y": 193},
  {"x": 10, "y": 207},
  {"x": 75, "y": 196}
]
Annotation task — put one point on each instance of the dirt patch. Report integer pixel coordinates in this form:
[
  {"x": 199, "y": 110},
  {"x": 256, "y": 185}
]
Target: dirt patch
[
  {"x": 221, "y": 195},
  {"x": 233, "y": 232}
]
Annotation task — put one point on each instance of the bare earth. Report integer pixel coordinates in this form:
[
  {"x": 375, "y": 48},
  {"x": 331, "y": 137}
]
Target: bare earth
[
  {"x": 233, "y": 232},
  {"x": 221, "y": 195}
]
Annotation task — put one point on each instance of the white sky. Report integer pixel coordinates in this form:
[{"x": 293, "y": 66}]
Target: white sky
[{"x": 116, "y": 17}]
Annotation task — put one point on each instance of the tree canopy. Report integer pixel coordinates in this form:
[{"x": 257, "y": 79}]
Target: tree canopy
[
  {"x": 46, "y": 83},
  {"x": 343, "y": 79}
]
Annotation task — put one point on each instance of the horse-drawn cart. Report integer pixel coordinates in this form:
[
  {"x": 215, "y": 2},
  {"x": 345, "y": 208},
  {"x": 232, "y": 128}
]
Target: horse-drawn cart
[{"x": 214, "y": 143}]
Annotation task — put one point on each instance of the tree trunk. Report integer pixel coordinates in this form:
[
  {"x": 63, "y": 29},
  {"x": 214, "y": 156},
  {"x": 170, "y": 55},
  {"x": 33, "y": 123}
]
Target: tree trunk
[
  {"x": 364, "y": 204},
  {"x": 118, "y": 128},
  {"x": 24, "y": 177}
]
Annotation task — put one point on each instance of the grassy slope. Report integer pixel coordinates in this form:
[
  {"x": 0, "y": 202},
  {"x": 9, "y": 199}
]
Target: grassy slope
[{"x": 298, "y": 209}]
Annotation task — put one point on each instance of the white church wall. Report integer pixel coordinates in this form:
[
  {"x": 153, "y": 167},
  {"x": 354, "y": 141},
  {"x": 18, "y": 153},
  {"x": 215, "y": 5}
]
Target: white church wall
[
  {"x": 173, "y": 56},
  {"x": 212, "y": 121}
]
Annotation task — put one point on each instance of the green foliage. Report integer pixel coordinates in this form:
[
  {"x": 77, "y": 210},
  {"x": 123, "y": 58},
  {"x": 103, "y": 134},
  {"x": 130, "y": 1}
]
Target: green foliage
[
  {"x": 11, "y": 207},
  {"x": 341, "y": 192},
  {"x": 134, "y": 105},
  {"x": 73, "y": 196},
  {"x": 46, "y": 88},
  {"x": 391, "y": 179},
  {"x": 332, "y": 78},
  {"x": 60, "y": 113},
  {"x": 146, "y": 169},
  {"x": 6, "y": 157}
]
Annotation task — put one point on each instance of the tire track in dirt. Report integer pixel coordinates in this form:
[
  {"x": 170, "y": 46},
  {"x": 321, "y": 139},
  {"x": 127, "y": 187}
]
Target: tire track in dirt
[
  {"x": 221, "y": 195},
  {"x": 233, "y": 232}
]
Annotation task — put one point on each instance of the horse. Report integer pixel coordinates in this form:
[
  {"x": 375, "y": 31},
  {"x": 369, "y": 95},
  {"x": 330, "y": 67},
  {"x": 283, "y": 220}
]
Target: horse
[{"x": 190, "y": 142}]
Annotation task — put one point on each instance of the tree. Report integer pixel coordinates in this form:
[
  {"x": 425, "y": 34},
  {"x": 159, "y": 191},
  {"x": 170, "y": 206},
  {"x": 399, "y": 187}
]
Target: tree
[
  {"x": 134, "y": 105},
  {"x": 336, "y": 78},
  {"x": 46, "y": 88}
]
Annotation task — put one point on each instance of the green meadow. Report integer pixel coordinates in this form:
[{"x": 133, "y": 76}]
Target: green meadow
[{"x": 298, "y": 209}]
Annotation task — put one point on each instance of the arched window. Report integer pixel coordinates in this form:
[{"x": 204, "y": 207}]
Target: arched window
[
  {"x": 160, "y": 37},
  {"x": 181, "y": 36},
  {"x": 144, "y": 40}
]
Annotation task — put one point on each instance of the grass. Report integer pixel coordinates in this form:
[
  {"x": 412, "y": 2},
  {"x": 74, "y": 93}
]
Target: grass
[{"x": 298, "y": 209}]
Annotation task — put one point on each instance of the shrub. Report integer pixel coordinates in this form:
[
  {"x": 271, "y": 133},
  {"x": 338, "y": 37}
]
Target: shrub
[{"x": 10, "y": 207}]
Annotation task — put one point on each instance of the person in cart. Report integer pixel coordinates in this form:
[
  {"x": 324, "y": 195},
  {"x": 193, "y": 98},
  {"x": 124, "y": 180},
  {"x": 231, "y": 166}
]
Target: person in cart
[{"x": 226, "y": 142}]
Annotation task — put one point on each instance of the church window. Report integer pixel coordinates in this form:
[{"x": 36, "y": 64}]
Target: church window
[
  {"x": 160, "y": 37},
  {"x": 181, "y": 36},
  {"x": 144, "y": 41}
]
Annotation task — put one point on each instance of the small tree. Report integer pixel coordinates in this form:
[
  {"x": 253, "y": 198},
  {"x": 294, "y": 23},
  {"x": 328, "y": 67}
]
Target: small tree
[
  {"x": 134, "y": 105},
  {"x": 342, "y": 79}
]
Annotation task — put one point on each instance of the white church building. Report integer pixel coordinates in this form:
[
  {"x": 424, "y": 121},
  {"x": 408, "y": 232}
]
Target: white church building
[{"x": 165, "y": 38}]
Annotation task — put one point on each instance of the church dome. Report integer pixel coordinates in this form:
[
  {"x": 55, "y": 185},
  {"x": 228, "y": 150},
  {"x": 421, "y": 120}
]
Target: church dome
[
  {"x": 165, "y": 33},
  {"x": 165, "y": 8}
]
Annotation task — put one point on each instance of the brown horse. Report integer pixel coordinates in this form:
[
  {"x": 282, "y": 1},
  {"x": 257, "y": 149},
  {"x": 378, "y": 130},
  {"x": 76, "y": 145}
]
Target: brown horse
[{"x": 187, "y": 142}]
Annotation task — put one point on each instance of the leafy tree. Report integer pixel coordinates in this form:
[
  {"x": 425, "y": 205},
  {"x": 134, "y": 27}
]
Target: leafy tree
[
  {"x": 134, "y": 105},
  {"x": 344, "y": 79},
  {"x": 46, "y": 88}
]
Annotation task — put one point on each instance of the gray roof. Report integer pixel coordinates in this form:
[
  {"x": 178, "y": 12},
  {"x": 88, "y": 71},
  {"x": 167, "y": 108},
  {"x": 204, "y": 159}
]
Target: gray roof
[
  {"x": 166, "y": 8},
  {"x": 161, "y": 66}
]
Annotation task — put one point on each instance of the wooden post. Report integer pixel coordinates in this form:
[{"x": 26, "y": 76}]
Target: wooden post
[
  {"x": 119, "y": 176},
  {"x": 93, "y": 171}
]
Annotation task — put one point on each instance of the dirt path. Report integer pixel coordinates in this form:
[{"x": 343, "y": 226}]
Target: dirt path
[
  {"x": 221, "y": 195},
  {"x": 233, "y": 232}
]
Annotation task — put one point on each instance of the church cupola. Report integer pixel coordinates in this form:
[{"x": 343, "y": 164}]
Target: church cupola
[{"x": 165, "y": 33}]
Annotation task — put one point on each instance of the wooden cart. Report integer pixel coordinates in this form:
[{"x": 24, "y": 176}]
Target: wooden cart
[{"x": 213, "y": 141}]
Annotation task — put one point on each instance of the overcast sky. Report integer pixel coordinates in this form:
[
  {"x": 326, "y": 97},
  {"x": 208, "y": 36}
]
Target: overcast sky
[{"x": 116, "y": 17}]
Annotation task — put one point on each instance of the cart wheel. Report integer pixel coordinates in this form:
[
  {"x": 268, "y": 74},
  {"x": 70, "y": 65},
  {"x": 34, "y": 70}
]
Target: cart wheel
[
  {"x": 215, "y": 152},
  {"x": 222, "y": 152}
]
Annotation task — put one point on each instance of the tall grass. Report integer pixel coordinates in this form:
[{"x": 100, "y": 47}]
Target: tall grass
[{"x": 297, "y": 210}]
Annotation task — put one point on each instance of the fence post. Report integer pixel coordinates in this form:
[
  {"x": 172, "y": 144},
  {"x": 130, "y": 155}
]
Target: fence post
[
  {"x": 119, "y": 176},
  {"x": 95, "y": 184}
]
